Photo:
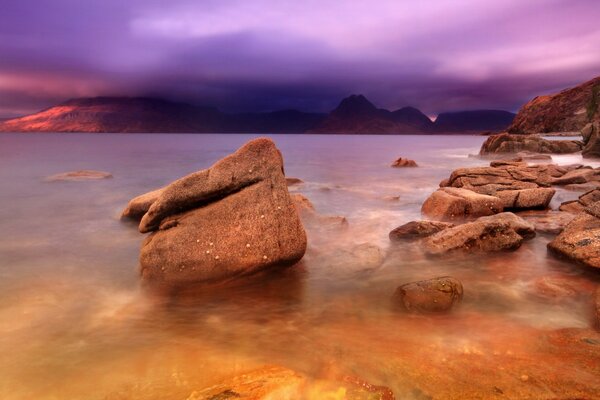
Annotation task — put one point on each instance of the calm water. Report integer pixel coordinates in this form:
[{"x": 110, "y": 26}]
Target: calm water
[{"x": 74, "y": 323}]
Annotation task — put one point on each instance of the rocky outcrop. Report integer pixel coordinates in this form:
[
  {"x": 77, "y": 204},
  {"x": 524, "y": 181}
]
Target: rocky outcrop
[
  {"x": 567, "y": 111},
  {"x": 431, "y": 296},
  {"x": 232, "y": 219},
  {"x": 83, "y": 175},
  {"x": 138, "y": 206},
  {"x": 499, "y": 232},
  {"x": 455, "y": 203},
  {"x": 417, "y": 230},
  {"x": 507, "y": 143},
  {"x": 579, "y": 241},
  {"x": 404, "y": 162}
]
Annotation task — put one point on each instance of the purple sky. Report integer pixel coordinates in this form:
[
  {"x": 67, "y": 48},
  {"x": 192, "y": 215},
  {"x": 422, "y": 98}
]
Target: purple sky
[{"x": 260, "y": 55}]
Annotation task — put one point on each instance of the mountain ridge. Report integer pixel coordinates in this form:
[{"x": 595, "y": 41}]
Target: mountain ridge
[{"x": 355, "y": 114}]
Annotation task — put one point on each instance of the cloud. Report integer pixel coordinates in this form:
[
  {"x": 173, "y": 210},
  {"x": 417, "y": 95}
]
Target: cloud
[{"x": 264, "y": 54}]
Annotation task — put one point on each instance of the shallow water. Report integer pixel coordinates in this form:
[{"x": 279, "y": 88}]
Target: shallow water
[{"x": 74, "y": 323}]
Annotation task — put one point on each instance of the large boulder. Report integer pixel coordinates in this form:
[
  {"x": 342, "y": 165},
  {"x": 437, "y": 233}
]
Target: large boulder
[
  {"x": 417, "y": 229},
  {"x": 499, "y": 232},
  {"x": 430, "y": 296},
  {"x": 507, "y": 143},
  {"x": 579, "y": 241},
  {"x": 454, "y": 203},
  {"x": 232, "y": 219}
]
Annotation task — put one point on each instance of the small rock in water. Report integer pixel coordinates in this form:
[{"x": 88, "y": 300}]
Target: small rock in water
[
  {"x": 404, "y": 162},
  {"x": 430, "y": 296},
  {"x": 417, "y": 229},
  {"x": 83, "y": 175},
  {"x": 293, "y": 181}
]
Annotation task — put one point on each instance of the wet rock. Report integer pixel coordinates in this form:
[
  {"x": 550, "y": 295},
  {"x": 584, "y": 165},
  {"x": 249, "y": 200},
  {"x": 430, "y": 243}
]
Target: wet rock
[
  {"x": 270, "y": 382},
  {"x": 499, "y": 232},
  {"x": 293, "y": 181},
  {"x": 430, "y": 296},
  {"x": 581, "y": 175},
  {"x": 571, "y": 206},
  {"x": 404, "y": 162},
  {"x": 526, "y": 198},
  {"x": 579, "y": 241},
  {"x": 531, "y": 156},
  {"x": 507, "y": 143},
  {"x": 591, "y": 137},
  {"x": 554, "y": 288},
  {"x": 417, "y": 229},
  {"x": 138, "y": 206},
  {"x": 583, "y": 187},
  {"x": 83, "y": 175},
  {"x": 233, "y": 219},
  {"x": 363, "y": 257},
  {"x": 454, "y": 203},
  {"x": 547, "y": 221}
]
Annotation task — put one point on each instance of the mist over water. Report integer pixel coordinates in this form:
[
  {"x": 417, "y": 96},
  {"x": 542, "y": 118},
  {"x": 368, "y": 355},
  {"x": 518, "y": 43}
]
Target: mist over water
[{"x": 74, "y": 323}]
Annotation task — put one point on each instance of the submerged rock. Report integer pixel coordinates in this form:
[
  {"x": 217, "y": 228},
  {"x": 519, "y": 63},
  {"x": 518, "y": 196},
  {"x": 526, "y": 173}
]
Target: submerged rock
[
  {"x": 455, "y": 203},
  {"x": 83, "y": 175},
  {"x": 417, "y": 229},
  {"x": 430, "y": 296},
  {"x": 547, "y": 221},
  {"x": 138, "y": 206},
  {"x": 312, "y": 218},
  {"x": 499, "y": 232},
  {"x": 232, "y": 219},
  {"x": 404, "y": 162}
]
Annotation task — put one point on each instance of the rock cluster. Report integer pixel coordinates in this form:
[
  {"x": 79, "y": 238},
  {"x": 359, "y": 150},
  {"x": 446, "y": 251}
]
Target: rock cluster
[
  {"x": 585, "y": 200},
  {"x": 507, "y": 143},
  {"x": 232, "y": 219}
]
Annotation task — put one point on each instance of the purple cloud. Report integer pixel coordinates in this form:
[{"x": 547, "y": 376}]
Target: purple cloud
[{"x": 437, "y": 55}]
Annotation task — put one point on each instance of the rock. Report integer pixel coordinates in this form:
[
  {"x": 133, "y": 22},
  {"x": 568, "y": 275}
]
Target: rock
[
  {"x": 138, "y": 206},
  {"x": 531, "y": 156},
  {"x": 417, "y": 229},
  {"x": 576, "y": 206},
  {"x": 269, "y": 382},
  {"x": 83, "y": 175},
  {"x": 404, "y": 162},
  {"x": 293, "y": 181},
  {"x": 554, "y": 288},
  {"x": 581, "y": 175},
  {"x": 507, "y": 143},
  {"x": 547, "y": 221},
  {"x": 499, "y": 232},
  {"x": 363, "y": 257},
  {"x": 233, "y": 219},
  {"x": 526, "y": 198},
  {"x": 579, "y": 241},
  {"x": 583, "y": 187},
  {"x": 430, "y": 296},
  {"x": 592, "y": 144},
  {"x": 453, "y": 203}
]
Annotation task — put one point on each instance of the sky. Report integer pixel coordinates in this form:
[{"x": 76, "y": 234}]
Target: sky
[{"x": 264, "y": 55}]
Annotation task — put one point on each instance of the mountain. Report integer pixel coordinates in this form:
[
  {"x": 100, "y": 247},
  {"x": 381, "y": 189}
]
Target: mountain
[
  {"x": 117, "y": 114},
  {"x": 356, "y": 114},
  {"x": 567, "y": 111},
  {"x": 141, "y": 114},
  {"x": 474, "y": 121}
]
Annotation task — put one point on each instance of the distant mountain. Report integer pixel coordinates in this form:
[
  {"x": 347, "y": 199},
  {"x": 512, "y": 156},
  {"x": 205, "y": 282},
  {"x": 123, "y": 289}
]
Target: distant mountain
[
  {"x": 356, "y": 114},
  {"x": 474, "y": 121},
  {"x": 567, "y": 111}
]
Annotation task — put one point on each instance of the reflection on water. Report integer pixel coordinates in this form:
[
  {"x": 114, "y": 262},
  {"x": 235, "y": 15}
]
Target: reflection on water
[{"x": 74, "y": 323}]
